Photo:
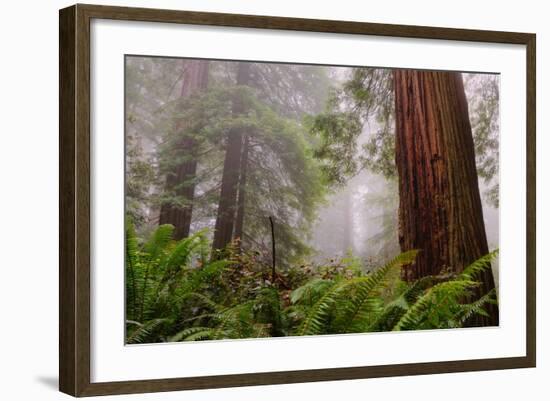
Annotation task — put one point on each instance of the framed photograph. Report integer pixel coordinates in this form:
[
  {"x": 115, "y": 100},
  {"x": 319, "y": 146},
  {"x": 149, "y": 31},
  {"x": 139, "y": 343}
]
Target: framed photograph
[{"x": 250, "y": 200}]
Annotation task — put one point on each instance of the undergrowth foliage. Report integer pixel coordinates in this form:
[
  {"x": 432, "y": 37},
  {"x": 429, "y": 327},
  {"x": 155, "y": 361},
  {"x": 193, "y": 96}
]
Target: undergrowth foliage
[{"x": 175, "y": 292}]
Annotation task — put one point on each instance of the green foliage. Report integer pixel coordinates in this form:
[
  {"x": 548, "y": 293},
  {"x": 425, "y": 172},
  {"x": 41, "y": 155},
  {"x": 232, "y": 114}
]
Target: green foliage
[
  {"x": 483, "y": 90},
  {"x": 173, "y": 130},
  {"x": 302, "y": 143},
  {"x": 442, "y": 305},
  {"x": 175, "y": 294},
  {"x": 140, "y": 175},
  {"x": 161, "y": 273},
  {"x": 336, "y": 136},
  {"x": 365, "y": 103},
  {"x": 348, "y": 305},
  {"x": 279, "y": 160}
]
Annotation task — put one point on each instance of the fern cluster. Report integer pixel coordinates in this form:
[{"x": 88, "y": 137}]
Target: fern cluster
[{"x": 175, "y": 292}]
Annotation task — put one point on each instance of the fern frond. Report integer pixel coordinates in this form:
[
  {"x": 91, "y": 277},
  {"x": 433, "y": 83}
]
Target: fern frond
[
  {"x": 418, "y": 287},
  {"x": 143, "y": 331},
  {"x": 314, "y": 322},
  {"x": 207, "y": 301},
  {"x": 389, "y": 317},
  {"x": 158, "y": 242},
  {"x": 431, "y": 301},
  {"x": 480, "y": 265},
  {"x": 235, "y": 322},
  {"x": 201, "y": 335},
  {"x": 131, "y": 244},
  {"x": 364, "y": 301},
  {"x": 310, "y": 291},
  {"x": 184, "y": 249},
  {"x": 186, "y": 333},
  {"x": 468, "y": 310},
  {"x": 131, "y": 266}
]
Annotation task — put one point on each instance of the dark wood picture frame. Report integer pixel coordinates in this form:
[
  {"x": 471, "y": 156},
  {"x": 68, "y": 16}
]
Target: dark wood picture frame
[{"x": 74, "y": 205}]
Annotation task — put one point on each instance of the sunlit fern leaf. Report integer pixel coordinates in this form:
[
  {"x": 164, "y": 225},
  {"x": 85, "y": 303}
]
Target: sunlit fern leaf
[
  {"x": 186, "y": 333},
  {"x": 153, "y": 251},
  {"x": 206, "y": 334},
  {"x": 364, "y": 315},
  {"x": 468, "y": 310},
  {"x": 204, "y": 274},
  {"x": 143, "y": 331},
  {"x": 180, "y": 255},
  {"x": 158, "y": 242},
  {"x": 235, "y": 322},
  {"x": 431, "y": 300},
  {"x": 207, "y": 301},
  {"x": 314, "y": 322},
  {"x": 363, "y": 302},
  {"x": 418, "y": 287},
  {"x": 132, "y": 275},
  {"x": 480, "y": 265},
  {"x": 261, "y": 330},
  {"x": 391, "y": 314},
  {"x": 131, "y": 244},
  {"x": 310, "y": 291},
  {"x": 355, "y": 301}
]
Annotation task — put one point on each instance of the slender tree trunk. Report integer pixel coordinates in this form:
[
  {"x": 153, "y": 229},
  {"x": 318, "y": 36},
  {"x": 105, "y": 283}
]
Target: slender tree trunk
[
  {"x": 348, "y": 218},
  {"x": 227, "y": 207},
  {"x": 181, "y": 180},
  {"x": 239, "y": 224},
  {"x": 439, "y": 202}
]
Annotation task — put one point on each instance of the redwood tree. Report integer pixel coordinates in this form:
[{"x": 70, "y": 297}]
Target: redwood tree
[
  {"x": 440, "y": 209},
  {"x": 243, "y": 167},
  {"x": 227, "y": 207},
  {"x": 181, "y": 181}
]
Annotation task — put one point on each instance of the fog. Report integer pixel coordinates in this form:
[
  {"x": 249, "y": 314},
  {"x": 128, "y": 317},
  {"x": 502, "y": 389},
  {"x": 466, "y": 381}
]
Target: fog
[
  {"x": 360, "y": 218},
  {"x": 357, "y": 218}
]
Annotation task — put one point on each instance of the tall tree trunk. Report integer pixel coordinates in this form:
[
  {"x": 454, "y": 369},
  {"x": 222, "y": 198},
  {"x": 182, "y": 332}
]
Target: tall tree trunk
[
  {"x": 227, "y": 207},
  {"x": 439, "y": 202},
  {"x": 348, "y": 218},
  {"x": 181, "y": 180},
  {"x": 239, "y": 224}
]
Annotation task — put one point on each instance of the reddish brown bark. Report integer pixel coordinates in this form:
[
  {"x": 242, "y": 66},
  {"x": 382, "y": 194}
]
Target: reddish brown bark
[
  {"x": 181, "y": 180},
  {"x": 227, "y": 207},
  {"x": 440, "y": 206},
  {"x": 243, "y": 167}
]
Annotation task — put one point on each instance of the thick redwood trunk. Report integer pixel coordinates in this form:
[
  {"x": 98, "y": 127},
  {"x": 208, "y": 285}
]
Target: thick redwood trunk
[
  {"x": 181, "y": 180},
  {"x": 227, "y": 207},
  {"x": 439, "y": 202}
]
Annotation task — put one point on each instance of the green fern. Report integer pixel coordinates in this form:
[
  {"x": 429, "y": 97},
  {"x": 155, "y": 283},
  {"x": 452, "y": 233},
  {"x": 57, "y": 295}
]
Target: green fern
[
  {"x": 131, "y": 266},
  {"x": 427, "y": 307},
  {"x": 356, "y": 300},
  {"x": 141, "y": 333},
  {"x": 364, "y": 301},
  {"x": 315, "y": 321},
  {"x": 468, "y": 310},
  {"x": 161, "y": 275},
  {"x": 473, "y": 271},
  {"x": 174, "y": 293},
  {"x": 191, "y": 334}
]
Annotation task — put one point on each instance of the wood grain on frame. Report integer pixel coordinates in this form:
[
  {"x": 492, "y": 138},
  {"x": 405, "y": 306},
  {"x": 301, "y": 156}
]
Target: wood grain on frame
[{"x": 74, "y": 199}]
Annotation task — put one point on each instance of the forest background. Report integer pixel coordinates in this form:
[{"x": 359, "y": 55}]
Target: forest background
[{"x": 299, "y": 161}]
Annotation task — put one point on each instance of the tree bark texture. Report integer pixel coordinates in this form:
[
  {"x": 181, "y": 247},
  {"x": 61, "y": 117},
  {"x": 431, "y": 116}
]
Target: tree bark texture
[
  {"x": 243, "y": 167},
  {"x": 440, "y": 210},
  {"x": 227, "y": 207},
  {"x": 181, "y": 180}
]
